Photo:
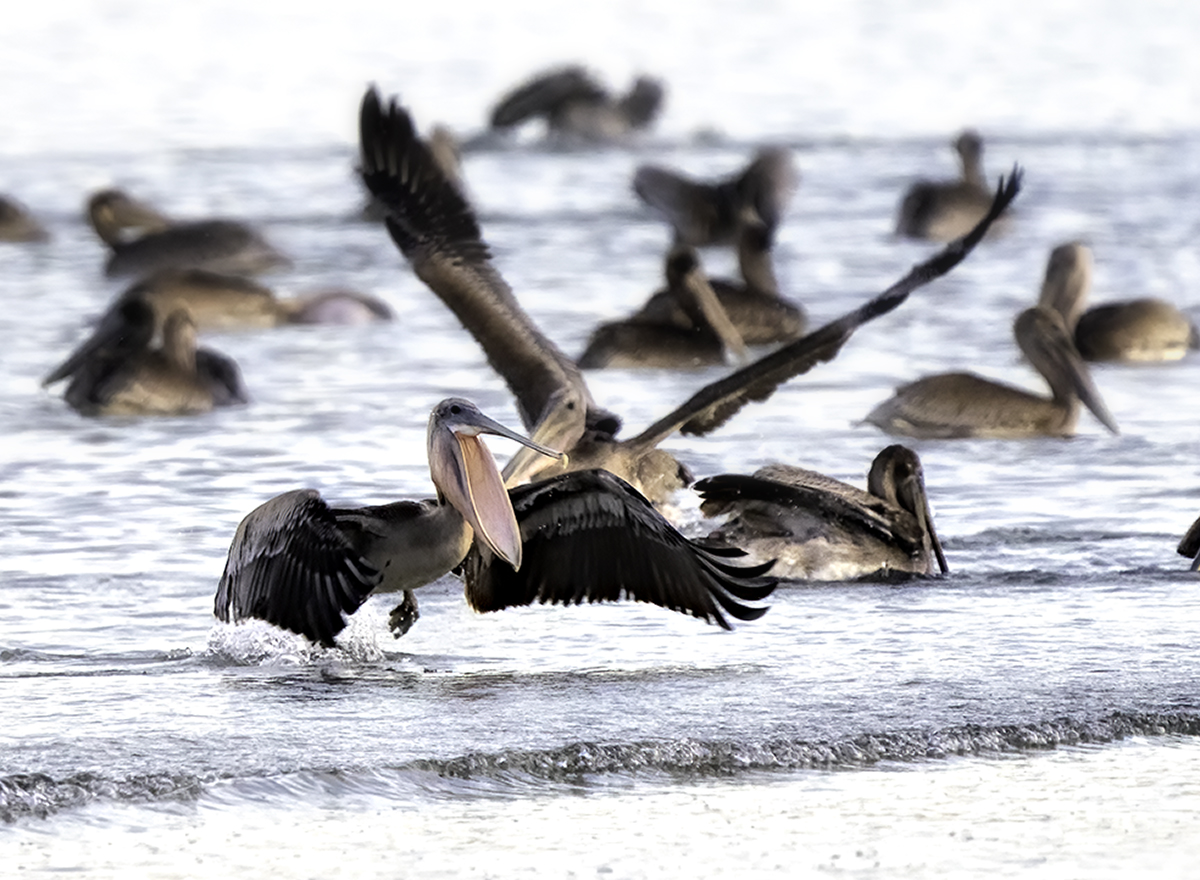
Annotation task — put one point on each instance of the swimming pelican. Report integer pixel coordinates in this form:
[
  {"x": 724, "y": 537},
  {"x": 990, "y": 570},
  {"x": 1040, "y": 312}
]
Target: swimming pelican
[
  {"x": 705, "y": 336},
  {"x": 945, "y": 209},
  {"x": 117, "y": 371},
  {"x": 300, "y": 564},
  {"x": 573, "y": 103},
  {"x": 217, "y": 301},
  {"x": 218, "y": 245},
  {"x": 754, "y": 306},
  {"x": 1137, "y": 330},
  {"x": 744, "y": 210},
  {"x": 819, "y": 528},
  {"x": 966, "y": 405},
  {"x": 17, "y": 224},
  {"x": 1189, "y": 546},
  {"x": 437, "y": 231}
]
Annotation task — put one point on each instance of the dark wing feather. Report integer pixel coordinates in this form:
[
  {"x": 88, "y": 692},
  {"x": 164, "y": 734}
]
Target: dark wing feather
[
  {"x": 589, "y": 536},
  {"x": 291, "y": 565},
  {"x": 436, "y": 230},
  {"x": 856, "y": 509},
  {"x": 545, "y": 95},
  {"x": 713, "y": 405}
]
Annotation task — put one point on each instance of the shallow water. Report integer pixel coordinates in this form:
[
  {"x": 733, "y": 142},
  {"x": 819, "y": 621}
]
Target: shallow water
[{"x": 1032, "y": 714}]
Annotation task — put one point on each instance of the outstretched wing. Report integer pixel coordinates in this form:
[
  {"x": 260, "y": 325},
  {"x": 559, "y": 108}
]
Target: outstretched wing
[
  {"x": 713, "y": 405},
  {"x": 435, "y": 228},
  {"x": 290, "y": 564},
  {"x": 590, "y": 536}
]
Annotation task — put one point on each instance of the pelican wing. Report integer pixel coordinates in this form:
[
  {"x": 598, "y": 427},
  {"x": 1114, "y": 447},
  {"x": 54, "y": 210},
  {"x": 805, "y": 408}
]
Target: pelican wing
[
  {"x": 545, "y": 94},
  {"x": 437, "y": 232},
  {"x": 827, "y": 498},
  {"x": 713, "y": 405},
  {"x": 292, "y": 565},
  {"x": 589, "y": 536}
]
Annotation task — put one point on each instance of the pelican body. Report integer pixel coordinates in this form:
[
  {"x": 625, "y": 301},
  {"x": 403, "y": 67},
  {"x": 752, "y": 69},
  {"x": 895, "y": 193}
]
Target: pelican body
[
  {"x": 1133, "y": 331},
  {"x": 574, "y": 104},
  {"x": 119, "y": 371},
  {"x": 218, "y": 245},
  {"x": 819, "y": 528},
  {"x": 436, "y": 230},
  {"x": 945, "y": 209},
  {"x": 966, "y": 405},
  {"x": 302, "y": 565},
  {"x": 218, "y": 301},
  {"x": 705, "y": 336}
]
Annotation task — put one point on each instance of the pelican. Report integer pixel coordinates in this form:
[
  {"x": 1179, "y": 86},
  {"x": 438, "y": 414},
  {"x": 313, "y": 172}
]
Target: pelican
[
  {"x": 1134, "y": 331},
  {"x": 217, "y": 301},
  {"x": 436, "y": 230},
  {"x": 1189, "y": 546},
  {"x": 966, "y": 405},
  {"x": 300, "y": 564},
  {"x": 17, "y": 224},
  {"x": 117, "y": 371},
  {"x": 744, "y": 210},
  {"x": 819, "y": 528},
  {"x": 945, "y": 209},
  {"x": 705, "y": 336},
  {"x": 219, "y": 245},
  {"x": 573, "y": 103}
]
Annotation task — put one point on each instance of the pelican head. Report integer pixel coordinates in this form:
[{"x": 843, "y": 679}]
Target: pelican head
[
  {"x": 897, "y": 477},
  {"x": 466, "y": 476},
  {"x": 115, "y": 214},
  {"x": 1045, "y": 340}
]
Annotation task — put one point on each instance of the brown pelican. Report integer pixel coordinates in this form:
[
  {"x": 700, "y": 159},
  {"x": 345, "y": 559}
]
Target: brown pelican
[
  {"x": 818, "y": 528},
  {"x": 118, "y": 371},
  {"x": 966, "y": 405},
  {"x": 300, "y": 564},
  {"x": 219, "y": 245},
  {"x": 945, "y": 209},
  {"x": 743, "y": 210},
  {"x": 705, "y": 336},
  {"x": 223, "y": 302},
  {"x": 17, "y": 224},
  {"x": 1189, "y": 546},
  {"x": 573, "y": 103},
  {"x": 437, "y": 231},
  {"x": 1137, "y": 330}
]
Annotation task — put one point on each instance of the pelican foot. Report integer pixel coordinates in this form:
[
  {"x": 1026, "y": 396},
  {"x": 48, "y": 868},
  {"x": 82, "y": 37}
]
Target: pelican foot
[{"x": 404, "y": 615}]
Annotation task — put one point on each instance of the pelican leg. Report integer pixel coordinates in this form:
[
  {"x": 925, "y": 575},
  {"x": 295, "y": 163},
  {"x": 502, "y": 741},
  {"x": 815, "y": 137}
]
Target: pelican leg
[{"x": 404, "y": 615}]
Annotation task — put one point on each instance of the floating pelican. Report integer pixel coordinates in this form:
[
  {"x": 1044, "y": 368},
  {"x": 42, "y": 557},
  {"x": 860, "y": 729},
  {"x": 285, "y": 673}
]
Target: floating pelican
[
  {"x": 117, "y": 371},
  {"x": 437, "y": 231},
  {"x": 573, "y": 103},
  {"x": 217, "y": 301},
  {"x": 1137, "y": 330},
  {"x": 819, "y": 528},
  {"x": 218, "y": 245},
  {"x": 945, "y": 209},
  {"x": 705, "y": 336},
  {"x": 17, "y": 224},
  {"x": 966, "y": 405},
  {"x": 1189, "y": 546},
  {"x": 302, "y": 565},
  {"x": 744, "y": 210}
]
